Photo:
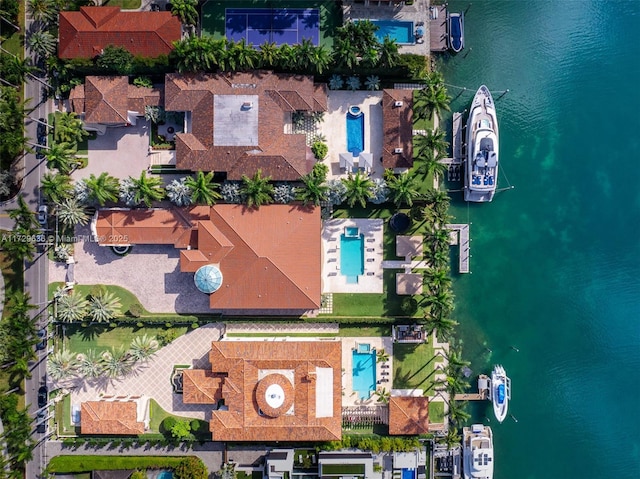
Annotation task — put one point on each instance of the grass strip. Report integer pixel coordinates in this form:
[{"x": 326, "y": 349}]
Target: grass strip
[{"x": 78, "y": 463}]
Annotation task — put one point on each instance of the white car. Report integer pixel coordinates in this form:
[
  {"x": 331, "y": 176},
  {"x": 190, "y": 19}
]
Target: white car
[{"x": 42, "y": 214}]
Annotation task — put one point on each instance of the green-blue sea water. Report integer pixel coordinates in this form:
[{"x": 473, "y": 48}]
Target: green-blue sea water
[{"x": 556, "y": 260}]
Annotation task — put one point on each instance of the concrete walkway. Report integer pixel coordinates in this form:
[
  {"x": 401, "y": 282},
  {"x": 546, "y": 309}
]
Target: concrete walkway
[
  {"x": 211, "y": 453},
  {"x": 153, "y": 379}
]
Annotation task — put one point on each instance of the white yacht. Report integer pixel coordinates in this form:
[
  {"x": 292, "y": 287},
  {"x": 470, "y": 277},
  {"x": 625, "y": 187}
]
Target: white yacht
[
  {"x": 500, "y": 392},
  {"x": 477, "y": 452},
  {"x": 481, "y": 175}
]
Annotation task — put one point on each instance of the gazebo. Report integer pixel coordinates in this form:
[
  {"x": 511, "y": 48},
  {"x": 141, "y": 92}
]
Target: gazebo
[{"x": 409, "y": 246}]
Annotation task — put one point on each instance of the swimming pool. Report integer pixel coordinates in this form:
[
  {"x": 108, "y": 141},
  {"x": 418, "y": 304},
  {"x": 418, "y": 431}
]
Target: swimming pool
[
  {"x": 351, "y": 257},
  {"x": 364, "y": 373},
  {"x": 165, "y": 475},
  {"x": 401, "y": 32},
  {"x": 355, "y": 133},
  {"x": 408, "y": 473}
]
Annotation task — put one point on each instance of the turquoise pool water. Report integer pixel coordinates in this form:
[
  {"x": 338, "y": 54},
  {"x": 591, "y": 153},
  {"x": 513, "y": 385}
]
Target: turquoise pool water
[
  {"x": 352, "y": 257},
  {"x": 165, "y": 475},
  {"x": 408, "y": 473},
  {"x": 355, "y": 133},
  {"x": 401, "y": 32},
  {"x": 364, "y": 373}
]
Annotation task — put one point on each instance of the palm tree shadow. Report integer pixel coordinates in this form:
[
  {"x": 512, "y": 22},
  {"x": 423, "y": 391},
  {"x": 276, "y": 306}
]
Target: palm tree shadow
[{"x": 90, "y": 332}]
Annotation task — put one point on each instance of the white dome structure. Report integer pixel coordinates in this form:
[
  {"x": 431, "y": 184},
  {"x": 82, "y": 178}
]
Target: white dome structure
[{"x": 208, "y": 278}]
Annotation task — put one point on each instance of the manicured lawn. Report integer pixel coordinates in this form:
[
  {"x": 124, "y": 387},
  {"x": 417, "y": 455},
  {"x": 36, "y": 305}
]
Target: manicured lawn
[
  {"x": 436, "y": 412},
  {"x": 63, "y": 418},
  {"x": 364, "y": 331},
  {"x": 414, "y": 366},
  {"x": 253, "y": 475},
  {"x": 124, "y": 4},
  {"x": 77, "y": 463},
  {"x": 126, "y": 297},
  {"x": 157, "y": 415},
  {"x": 342, "y": 469},
  {"x": 100, "y": 337}
]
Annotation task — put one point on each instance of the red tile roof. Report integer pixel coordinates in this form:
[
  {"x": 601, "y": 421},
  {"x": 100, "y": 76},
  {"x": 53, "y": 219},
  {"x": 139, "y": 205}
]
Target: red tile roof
[
  {"x": 397, "y": 126},
  {"x": 279, "y": 155},
  {"x": 270, "y": 258},
  {"x": 108, "y": 99},
  {"x": 84, "y": 34},
  {"x": 200, "y": 387},
  {"x": 408, "y": 415},
  {"x": 247, "y": 368},
  {"x": 110, "y": 417}
]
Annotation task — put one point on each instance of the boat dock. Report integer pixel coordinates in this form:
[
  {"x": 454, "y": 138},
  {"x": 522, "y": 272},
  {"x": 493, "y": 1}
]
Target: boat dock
[
  {"x": 481, "y": 395},
  {"x": 438, "y": 17},
  {"x": 454, "y": 163},
  {"x": 462, "y": 240}
]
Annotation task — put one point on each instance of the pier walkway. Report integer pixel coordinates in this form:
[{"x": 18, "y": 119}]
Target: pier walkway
[
  {"x": 454, "y": 163},
  {"x": 462, "y": 240},
  {"x": 438, "y": 17}
]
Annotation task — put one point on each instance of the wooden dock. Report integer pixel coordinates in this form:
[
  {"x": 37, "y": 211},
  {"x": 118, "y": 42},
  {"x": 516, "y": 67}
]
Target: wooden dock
[
  {"x": 438, "y": 34},
  {"x": 463, "y": 244},
  {"x": 481, "y": 395},
  {"x": 455, "y": 170}
]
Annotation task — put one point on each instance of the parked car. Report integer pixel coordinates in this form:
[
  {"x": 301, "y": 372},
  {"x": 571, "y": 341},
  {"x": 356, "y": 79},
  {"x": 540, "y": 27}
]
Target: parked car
[
  {"x": 41, "y": 421},
  {"x": 42, "y": 214},
  {"x": 42, "y": 344},
  {"x": 43, "y": 398},
  {"x": 155, "y": 7},
  {"x": 42, "y": 129}
]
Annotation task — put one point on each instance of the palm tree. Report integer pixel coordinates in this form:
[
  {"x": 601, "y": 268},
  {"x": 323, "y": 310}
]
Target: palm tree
[
  {"x": 71, "y": 212},
  {"x": 437, "y": 279},
  {"x": 304, "y": 54},
  {"x": 61, "y": 365},
  {"x": 335, "y": 82},
  {"x": 69, "y": 129},
  {"x": 104, "y": 307},
  {"x": 433, "y": 140},
  {"x": 372, "y": 82},
  {"x": 143, "y": 347},
  {"x": 403, "y": 188},
  {"x": 72, "y": 307},
  {"x": 383, "y": 395},
  {"x": 56, "y": 187},
  {"x": 440, "y": 304},
  {"x": 457, "y": 413},
  {"x": 382, "y": 356},
  {"x": 344, "y": 54},
  {"x": 89, "y": 365},
  {"x": 451, "y": 438},
  {"x": 203, "y": 189},
  {"x": 103, "y": 188},
  {"x": 41, "y": 43},
  {"x": 186, "y": 11},
  {"x": 431, "y": 100},
  {"x": 25, "y": 220},
  {"x": 314, "y": 190},
  {"x": 439, "y": 239},
  {"x": 454, "y": 382},
  {"x": 358, "y": 189},
  {"x": 268, "y": 54},
  {"x": 389, "y": 55},
  {"x": 322, "y": 59},
  {"x": 61, "y": 156},
  {"x": 240, "y": 56},
  {"x": 147, "y": 189},
  {"x": 116, "y": 363},
  {"x": 178, "y": 192},
  {"x": 45, "y": 11},
  {"x": 257, "y": 190},
  {"x": 455, "y": 361}
]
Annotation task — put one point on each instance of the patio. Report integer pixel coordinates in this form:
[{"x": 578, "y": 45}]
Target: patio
[
  {"x": 384, "y": 371},
  {"x": 333, "y": 278}
]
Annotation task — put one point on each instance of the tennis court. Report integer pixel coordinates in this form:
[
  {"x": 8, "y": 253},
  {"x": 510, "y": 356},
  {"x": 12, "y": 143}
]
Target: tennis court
[{"x": 278, "y": 25}]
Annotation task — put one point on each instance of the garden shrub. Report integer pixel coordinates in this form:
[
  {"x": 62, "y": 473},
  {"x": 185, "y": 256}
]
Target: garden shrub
[
  {"x": 409, "y": 306},
  {"x": 319, "y": 149},
  {"x": 168, "y": 423},
  {"x": 190, "y": 468},
  {"x": 136, "y": 310}
]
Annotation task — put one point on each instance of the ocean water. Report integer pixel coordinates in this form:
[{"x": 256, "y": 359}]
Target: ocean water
[{"x": 554, "y": 293}]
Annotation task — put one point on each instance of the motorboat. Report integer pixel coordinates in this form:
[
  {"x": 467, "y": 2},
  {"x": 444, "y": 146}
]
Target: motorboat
[
  {"x": 500, "y": 392},
  {"x": 456, "y": 31},
  {"x": 481, "y": 175},
  {"x": 477, "y": 452}
]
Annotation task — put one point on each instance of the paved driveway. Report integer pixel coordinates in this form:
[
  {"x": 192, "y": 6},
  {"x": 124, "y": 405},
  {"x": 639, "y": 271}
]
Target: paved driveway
[
  {"x": 153, "y": 379},
  {"x": 151, "y": 272},
  {"x": 121, "y": 152}
]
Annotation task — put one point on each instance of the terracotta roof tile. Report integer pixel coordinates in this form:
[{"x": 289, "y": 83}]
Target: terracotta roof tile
[
  {"x": 254, "y": 249},
  {"x": 279, "y": 155},
  {"x": 200, "y": 387},
  {"x": 86, "y": 33},
  {"x": 397, "y": 125},
  {"x": 248, "y": 364},
  {"x": 408, "y": 415},
  {"x": 110, "y": 417}
]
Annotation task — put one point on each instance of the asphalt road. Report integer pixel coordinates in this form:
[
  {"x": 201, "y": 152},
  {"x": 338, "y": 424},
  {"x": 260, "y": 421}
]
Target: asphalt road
[{"x": 36, "y": 272}]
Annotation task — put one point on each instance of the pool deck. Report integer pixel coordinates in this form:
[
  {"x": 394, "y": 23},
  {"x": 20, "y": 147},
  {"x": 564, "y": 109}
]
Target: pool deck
[
  {"x": 393, "y": 10},
  {"x": 350, "y": 397},
  {"x": 371, "y": 280},
  {"x": 334, "y": 128}
]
